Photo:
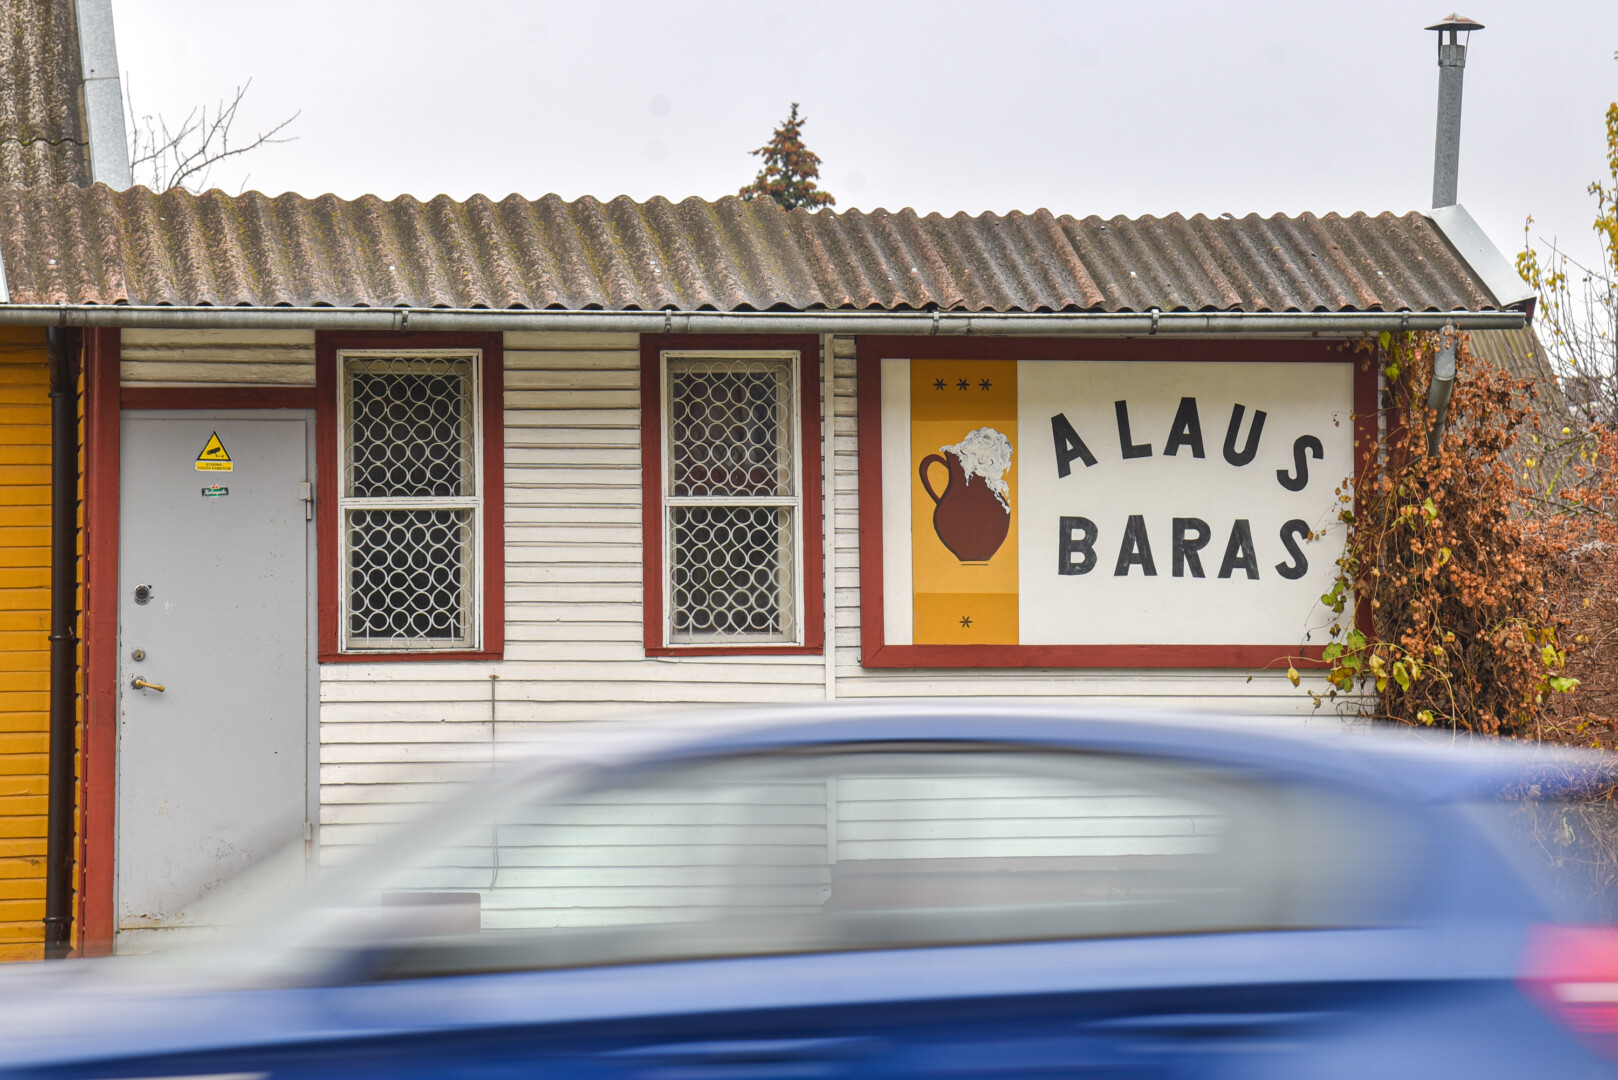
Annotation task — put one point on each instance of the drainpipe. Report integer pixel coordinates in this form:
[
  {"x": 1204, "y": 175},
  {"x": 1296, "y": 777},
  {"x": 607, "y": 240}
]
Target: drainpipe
[
  {"x": 64, "y": 641},
  {"x": 1438, "y": 393},
  {"x": 1451, "y": 69}
]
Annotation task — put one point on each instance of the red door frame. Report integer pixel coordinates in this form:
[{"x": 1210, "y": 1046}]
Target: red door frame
[{"x": 104, "y": 400}]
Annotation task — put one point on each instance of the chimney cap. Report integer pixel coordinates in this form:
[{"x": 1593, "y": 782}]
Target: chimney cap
[{"x": 1456, "y": 22}]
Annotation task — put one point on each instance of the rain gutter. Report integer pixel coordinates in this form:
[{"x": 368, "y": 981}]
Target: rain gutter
[{"x": 923, "y": 323}]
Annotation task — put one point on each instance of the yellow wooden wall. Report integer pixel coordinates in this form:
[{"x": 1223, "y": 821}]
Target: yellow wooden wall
[{"x": 25, "y": 537}]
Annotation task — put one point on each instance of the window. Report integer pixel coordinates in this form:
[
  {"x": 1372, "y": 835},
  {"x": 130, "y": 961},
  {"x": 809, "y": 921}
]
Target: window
[
  {"x": 414, "y": 513},
  {"x": 736, "y": 522}
]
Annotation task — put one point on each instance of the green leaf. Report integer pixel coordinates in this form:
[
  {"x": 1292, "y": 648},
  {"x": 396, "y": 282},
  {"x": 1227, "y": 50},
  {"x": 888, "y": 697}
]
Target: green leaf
[
  {"x": 1401, "y": 675},
  {"x": 1563, "y": 684},
  {"x": 1385, "y": 339},
  {"x": 1356, "y": 640},
  {"x": 1333, "y": 651}
]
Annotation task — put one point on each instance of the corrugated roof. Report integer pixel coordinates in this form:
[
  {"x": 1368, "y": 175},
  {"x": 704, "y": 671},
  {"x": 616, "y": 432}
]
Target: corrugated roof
[
  {"x": 1520, "y": 353},
  {"x": 42, "y": 138},
  {"x": 94, "y": 245}
]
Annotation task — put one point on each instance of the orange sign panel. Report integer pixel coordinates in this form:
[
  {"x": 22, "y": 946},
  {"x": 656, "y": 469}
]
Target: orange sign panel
[{"x": 963, "y": 447}]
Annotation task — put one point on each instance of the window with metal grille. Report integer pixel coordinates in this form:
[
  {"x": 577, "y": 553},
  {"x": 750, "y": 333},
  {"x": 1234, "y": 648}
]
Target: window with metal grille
[
  {"x": 410, "y": 502},
  {"x": 732, "y": 499}
]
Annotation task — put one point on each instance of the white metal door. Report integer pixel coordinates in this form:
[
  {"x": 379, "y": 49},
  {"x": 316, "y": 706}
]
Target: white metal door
[{"x": 215, "y": 608}]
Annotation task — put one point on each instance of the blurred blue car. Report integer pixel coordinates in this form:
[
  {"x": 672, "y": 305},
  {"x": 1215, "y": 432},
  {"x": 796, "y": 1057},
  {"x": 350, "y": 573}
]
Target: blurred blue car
[{"x": 921, "y": 891}]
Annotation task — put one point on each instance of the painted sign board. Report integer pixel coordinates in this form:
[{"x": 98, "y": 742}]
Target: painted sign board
[{"x": 1107, "y": 504}]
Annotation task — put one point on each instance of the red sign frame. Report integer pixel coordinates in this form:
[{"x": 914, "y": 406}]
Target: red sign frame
[{"x": 874, "y": 650}]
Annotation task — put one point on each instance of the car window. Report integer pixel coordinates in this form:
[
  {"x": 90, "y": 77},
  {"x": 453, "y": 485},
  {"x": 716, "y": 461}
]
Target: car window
[
  {"x": 1565, "y": 845},
  {"x": 875, "y": 848}
]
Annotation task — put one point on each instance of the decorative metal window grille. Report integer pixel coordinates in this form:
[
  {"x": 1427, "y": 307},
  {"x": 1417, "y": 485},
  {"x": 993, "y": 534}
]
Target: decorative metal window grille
[
  {"x": 732, "y": 503},
  {"x": 411, "y": 501}
]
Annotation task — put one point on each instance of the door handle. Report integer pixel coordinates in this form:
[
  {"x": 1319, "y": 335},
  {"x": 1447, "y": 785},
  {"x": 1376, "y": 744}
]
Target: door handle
[{"x": 139, "y": 683}]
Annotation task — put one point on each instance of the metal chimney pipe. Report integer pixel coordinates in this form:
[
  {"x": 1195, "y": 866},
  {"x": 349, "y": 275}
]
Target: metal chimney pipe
[{"x": 1451, "y": 69}]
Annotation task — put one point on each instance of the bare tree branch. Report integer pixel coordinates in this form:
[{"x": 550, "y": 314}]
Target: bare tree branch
[{"x": 164, "y": 157}]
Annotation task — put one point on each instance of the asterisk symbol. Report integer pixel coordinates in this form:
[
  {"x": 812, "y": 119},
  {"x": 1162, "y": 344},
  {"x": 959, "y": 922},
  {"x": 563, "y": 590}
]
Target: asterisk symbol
[
  {"x": 984, "y": 384},
  {"x": 938, "y": 384},
  {"x": 964, "y": 385},
  {"x": 966, "y": 621}
]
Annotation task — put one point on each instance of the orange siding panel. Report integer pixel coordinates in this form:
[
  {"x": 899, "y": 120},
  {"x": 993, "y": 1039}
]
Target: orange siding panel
[{"x": 25, "y": 538}]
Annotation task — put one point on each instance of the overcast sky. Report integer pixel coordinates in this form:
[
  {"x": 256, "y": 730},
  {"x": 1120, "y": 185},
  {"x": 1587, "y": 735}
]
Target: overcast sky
[{"x": 1084, "y": 108}]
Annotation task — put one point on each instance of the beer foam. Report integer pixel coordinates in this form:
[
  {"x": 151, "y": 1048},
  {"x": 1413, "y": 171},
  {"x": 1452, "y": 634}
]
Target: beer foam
[{"x": 986, "y": 453}]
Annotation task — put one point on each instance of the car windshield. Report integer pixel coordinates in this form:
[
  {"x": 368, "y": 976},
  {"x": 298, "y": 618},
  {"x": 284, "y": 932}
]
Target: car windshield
[{"x": 856, "y": 848}]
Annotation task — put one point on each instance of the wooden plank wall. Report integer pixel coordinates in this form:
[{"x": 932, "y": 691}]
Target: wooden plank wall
[
  {"x": 391, "y": 734},
  {"x": 218, "y": 358},
  {"x": 25, "y": 539},
  {"x": 574, "y": 645}
]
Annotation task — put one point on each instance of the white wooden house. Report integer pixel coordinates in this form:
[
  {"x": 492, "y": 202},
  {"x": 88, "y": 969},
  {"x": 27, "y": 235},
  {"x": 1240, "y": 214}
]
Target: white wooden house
[{"x": 372, "y": 486}]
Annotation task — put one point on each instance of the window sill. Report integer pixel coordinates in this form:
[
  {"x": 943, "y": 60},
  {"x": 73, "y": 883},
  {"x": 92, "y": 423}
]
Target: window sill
[
  {"x": 736, "y": 650},
  {"x": 425, "y": 656}
]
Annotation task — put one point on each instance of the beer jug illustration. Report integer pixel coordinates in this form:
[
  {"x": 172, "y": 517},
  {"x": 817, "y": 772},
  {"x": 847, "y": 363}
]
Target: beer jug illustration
[{"x": 972, "y": 515}]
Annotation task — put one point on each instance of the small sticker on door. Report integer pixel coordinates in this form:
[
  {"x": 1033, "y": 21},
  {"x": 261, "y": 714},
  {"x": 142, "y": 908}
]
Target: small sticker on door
[
  {"x": 215, "y": 491},
  {"x": 214, "y": 457}
]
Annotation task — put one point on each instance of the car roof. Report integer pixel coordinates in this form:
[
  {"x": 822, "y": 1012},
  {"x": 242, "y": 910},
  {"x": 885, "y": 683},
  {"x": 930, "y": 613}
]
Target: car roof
[{"x": 1401, "y": 762}]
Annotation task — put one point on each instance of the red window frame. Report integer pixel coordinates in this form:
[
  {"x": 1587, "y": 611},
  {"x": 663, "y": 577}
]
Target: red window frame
[
  {"x": 807, "y": 347},
  {"x": 329, "y": 576}
]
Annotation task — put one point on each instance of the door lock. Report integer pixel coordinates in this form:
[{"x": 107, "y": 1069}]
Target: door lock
[
  {"x": 143, "y": 594},
  {"x": 139, "y": 683}
]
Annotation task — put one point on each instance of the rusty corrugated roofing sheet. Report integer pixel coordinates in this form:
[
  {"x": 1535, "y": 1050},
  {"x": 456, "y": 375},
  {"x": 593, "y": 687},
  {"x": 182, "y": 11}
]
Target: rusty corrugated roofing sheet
[
  {"x": 42, "y": 138},
  {"x": 94, "y": 245}
]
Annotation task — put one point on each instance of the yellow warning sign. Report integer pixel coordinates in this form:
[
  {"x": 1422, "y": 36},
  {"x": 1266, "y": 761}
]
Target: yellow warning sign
[{"x": 214, "y": 456}]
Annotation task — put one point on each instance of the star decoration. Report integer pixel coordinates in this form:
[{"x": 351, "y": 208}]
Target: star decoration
[
  {"x": 964, "y": 385},
  {"x": 966, "y": 622},
  {"x": 985, "y": 384},
  {"x": 938, "y": 384}
]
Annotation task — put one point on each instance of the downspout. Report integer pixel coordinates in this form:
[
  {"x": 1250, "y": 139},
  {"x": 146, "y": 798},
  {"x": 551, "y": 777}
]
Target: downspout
[
  {"x": 1438, "y": 393},
  {"x": 64, "y": 641}
]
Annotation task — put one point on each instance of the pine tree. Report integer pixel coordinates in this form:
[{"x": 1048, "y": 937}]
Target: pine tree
[{"x": 790, "y": 169}]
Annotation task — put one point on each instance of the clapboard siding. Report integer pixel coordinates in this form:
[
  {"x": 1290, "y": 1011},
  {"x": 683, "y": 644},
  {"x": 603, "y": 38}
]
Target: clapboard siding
[
  {"x": 573, "y": 593},
  {"x": 390, "y": 733},
  {"x": 218, "y": 357},
  {"x": 25, "y": 571}
]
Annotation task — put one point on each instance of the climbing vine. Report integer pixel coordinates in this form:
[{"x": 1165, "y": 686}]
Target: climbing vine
[{"x": 1442, "y": 612}]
